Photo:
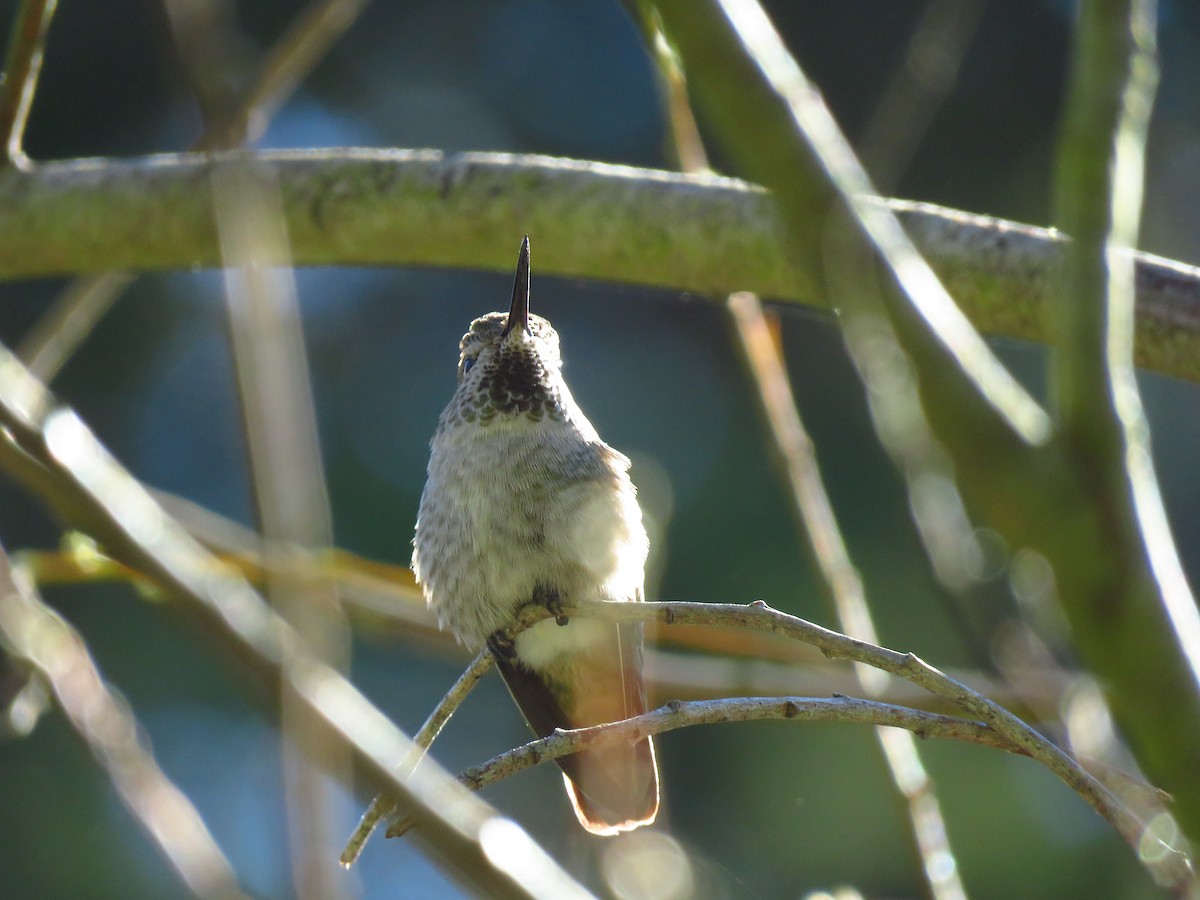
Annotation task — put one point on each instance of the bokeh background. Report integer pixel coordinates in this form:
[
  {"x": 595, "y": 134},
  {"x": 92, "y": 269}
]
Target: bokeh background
[{"x": 763, "y": 810}]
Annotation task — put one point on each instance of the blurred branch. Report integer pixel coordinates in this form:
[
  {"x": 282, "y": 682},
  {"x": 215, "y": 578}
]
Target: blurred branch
[
  {"x": 918, "y": 88},
  {"x": 813, "y": 508},
  {"x": 56, "y": 336},
  {"x": 306, "y": 42},
  {"x": 697, "y": 233},
  {"x": 810, "y": 501},
  {"x": 776, "y": 127},
  {"x": 35, "y": 635},
  {"x": 1005, "y": 460},
  {"x": 684, "y": 144},
  {"x": 288, "y": 481},
  {"x": 1122, "y": 585},
  {"x": 474, "y": 844},
  {"x": 381, "y": 599},
  {"x": 22, "y": 66}
]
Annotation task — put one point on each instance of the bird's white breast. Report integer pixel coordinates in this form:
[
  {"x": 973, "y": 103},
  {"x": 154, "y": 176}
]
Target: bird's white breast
[{"x": 520, "y": 504}]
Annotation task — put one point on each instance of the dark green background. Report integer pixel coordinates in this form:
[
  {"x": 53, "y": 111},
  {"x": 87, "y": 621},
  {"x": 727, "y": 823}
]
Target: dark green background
[{"x": 768, "y": 810}]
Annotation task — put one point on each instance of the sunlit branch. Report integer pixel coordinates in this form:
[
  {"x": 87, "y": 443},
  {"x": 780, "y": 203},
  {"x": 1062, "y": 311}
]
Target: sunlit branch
[
  {"x": 35, "y": 635},
  {"x": 699, "y": 234},
  {"x": 288, "y": 482},
  {"x": 1132, "y": 613}
]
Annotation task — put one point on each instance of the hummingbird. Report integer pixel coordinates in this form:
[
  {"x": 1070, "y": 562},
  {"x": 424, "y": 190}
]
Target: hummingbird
[{"x": 524, "y": 503}]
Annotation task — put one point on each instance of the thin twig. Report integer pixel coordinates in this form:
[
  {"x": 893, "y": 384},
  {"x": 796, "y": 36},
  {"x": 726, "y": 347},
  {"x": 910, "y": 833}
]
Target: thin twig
[
  {"x": 22, "y": 65},
  {"x": 815, "y": 512},
  {"x": 680, "y": 714},
  {"x": 381, "y": 599},
  {"x": 383, "y": 805},
  {"x": 685, "y": 145},
  {"x": 35, "y": 635},
  {"x": 74, "y": 314}
]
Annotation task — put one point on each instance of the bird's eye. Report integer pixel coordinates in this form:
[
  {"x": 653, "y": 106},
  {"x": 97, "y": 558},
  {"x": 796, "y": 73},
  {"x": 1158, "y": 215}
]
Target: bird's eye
[{"x": 468, "y": 362}]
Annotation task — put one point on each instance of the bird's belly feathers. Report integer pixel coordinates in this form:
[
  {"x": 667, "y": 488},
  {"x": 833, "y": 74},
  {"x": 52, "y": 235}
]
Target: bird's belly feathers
[{"x": 508, "y": 510}]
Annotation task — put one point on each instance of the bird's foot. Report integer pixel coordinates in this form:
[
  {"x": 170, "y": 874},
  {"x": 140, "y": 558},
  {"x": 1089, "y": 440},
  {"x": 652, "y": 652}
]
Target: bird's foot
[
  {"x": 551, "y": 599},
  {"x": 501, "y": 644}
]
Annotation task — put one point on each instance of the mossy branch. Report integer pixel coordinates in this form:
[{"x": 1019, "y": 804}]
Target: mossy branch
[{"x": 700, "y": 234}]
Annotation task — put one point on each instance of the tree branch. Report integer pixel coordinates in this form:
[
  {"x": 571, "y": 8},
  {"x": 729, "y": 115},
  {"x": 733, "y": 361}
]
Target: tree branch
[
  {"x": 695, "y": 233},
  {"x": 679, "y": 714},
  {"x": 37, "y": 637},
  {"x": 288, "y": 484},
  {"x": 1021, "y": 736},
  {"x": 22, "y": 66},
  {"x": 1007, "y": 462},
  {"x": 1121, "y": 581},
  {"x": 383, "y": 805}
]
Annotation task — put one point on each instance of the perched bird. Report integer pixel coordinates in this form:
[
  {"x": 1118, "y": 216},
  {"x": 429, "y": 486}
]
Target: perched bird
[{"x": 524, "y": 503}]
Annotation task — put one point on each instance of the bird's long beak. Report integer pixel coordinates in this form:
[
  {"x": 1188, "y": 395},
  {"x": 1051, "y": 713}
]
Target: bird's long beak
[{"x": 518, "y": 312}]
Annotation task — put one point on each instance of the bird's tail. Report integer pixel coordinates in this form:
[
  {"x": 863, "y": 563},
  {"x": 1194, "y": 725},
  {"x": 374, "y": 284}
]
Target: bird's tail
[
  {"x": 613, "y": 788},
  {"x": 608, "y": 805}
]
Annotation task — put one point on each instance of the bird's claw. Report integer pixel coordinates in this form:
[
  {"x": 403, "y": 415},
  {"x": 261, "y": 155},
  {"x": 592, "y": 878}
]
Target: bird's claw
[
  {"x": 552, "y": 600},
  {"x": 501, "y": 644}
]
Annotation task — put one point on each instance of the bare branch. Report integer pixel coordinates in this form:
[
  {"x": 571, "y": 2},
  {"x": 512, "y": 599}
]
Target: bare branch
[
  {"x": 383, "y": 806},
  {"x": 758, "y": 615},
  {"x": 34, "y": 634},
  {"x": 22, "y": 66},
  {"x": 306, "y": 42},
  {"x": 918, "y": 88},
  {"x": 679, "y": 714}
]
